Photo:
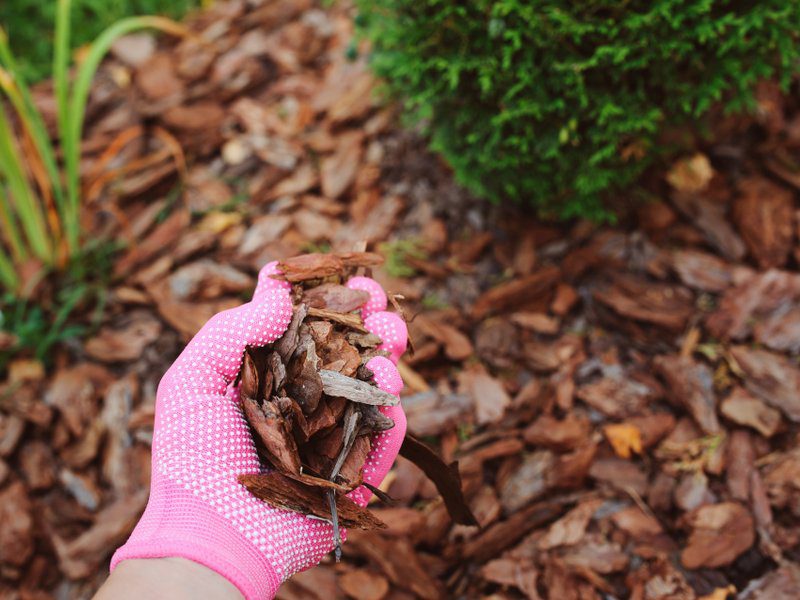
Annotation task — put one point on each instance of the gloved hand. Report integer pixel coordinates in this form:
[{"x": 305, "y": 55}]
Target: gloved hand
[{"x": 201, "y": 444}]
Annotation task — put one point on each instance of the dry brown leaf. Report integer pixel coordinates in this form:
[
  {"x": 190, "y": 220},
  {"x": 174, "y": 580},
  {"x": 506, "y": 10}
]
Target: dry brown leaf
[
  {"x": 691, "y": 174},
  {"x": 625, "y": 439},
  {"x": 134, "y": 49}
]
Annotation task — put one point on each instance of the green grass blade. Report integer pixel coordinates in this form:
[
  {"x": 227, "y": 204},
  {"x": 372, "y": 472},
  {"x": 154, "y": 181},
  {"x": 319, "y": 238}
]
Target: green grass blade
[
  {"x": 61, "y": 55},
  {"x": 34, "y": 125},
  {"x": 21, "y": 99},
  {"x": 9, "y": 227},
  {"x": 70, "y": 141},
  {"x": 57, "y": 331},
  {"x": 8, "y": 275},
  {"x": 25, "y": 202}
]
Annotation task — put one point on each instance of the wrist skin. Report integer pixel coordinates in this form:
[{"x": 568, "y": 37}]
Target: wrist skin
[{"x": 170, "y": 578}]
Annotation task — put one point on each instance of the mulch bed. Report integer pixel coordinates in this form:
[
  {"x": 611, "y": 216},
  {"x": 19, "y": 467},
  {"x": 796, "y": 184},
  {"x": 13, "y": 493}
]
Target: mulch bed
[{"x": 623, "y": 400}]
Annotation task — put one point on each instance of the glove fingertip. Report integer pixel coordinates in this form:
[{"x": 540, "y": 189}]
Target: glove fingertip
[
  {"x": 377, "y": 297},
  {"x": 385, "y": 447},
  {"x": 386, "y": 375},
  {"x": 266, "y": 281},
  {"x": 272, "y": 311},
  {"x": 392, "y": 330}
]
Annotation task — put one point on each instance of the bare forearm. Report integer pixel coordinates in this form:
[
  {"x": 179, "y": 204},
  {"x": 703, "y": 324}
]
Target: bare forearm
[{"x": 166, "y": 578}]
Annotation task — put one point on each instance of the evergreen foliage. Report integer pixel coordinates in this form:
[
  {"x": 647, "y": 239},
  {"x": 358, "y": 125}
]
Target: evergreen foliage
[{"x": 555, "y": 102}]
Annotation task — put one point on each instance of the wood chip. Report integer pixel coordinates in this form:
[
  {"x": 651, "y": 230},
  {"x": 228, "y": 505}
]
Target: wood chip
[
  {"x": 690, "y": 384},
  {"x": 719, "y": 534},
  {"x": 126, "y": 342},
  {"x": 364, "y": 585},
  {"x": 570, "y": 528},
  {"x": 489, "y": 397},
  {"x": 764, "y": 213},
  {"x": 82, "y": 555},
  {"x": 318, "y": 266},
  {"x": 771, "y": 377},
  {"x": 304, "y": 381},
  {"x": 401, "y": 565},
  {"x": 310, "y": 266},
  {"x": 515, "y": 293},
  {"x": 336, "y": 384},
  {"x": 281, "y": 492},
  {"x": 273, "y": 431},
  {"x": 743, "y": 408},
  {"x": 521, "y": 574},
  {"x": 446, "y": 478},
  {"x": 16, "y": 525},
  {"x": 335, "y": 297},
  {"x": 663, "y": 305},
  {"x": 354, "y": 322}
]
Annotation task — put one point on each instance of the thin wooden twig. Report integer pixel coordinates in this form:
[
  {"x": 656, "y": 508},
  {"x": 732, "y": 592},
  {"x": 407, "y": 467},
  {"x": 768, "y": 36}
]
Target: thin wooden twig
[{"x": 337, "y": 536}]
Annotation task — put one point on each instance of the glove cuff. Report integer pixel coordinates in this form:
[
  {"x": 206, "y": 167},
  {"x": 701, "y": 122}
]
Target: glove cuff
[{"x": 178, "y": 524}]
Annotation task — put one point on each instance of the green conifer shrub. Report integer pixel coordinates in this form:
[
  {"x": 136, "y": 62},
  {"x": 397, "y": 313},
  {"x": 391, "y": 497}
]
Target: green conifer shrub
[{"x": 558, "y": 102}]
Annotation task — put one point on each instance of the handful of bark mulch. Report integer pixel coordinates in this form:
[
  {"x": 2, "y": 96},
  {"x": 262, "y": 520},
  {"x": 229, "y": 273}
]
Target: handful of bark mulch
[{"x": 312, "y": 404}]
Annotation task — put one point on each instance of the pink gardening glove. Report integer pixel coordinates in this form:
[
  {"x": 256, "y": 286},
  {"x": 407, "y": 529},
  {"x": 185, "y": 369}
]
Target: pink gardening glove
[{"x": 201, "y": 444}]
